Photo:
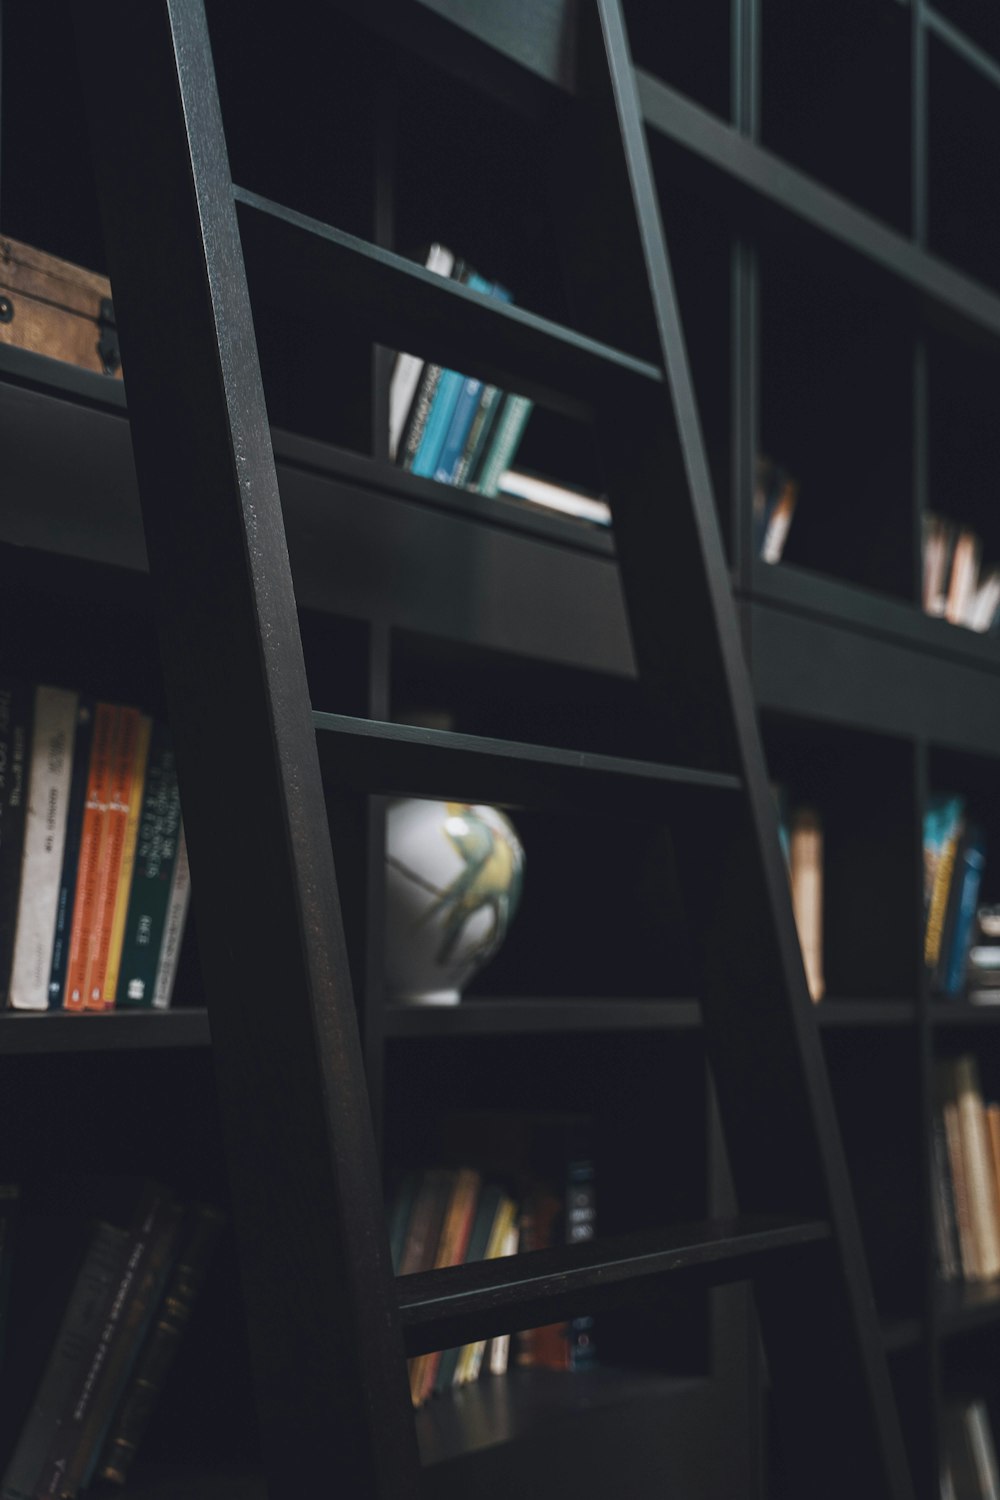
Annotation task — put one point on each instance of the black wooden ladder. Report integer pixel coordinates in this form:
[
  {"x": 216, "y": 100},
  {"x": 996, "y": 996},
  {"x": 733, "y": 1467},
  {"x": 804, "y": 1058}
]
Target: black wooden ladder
[{"x": 329, "y": 1327}]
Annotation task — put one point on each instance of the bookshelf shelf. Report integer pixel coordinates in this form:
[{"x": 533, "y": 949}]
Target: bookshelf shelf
[{"x": 118, "y": 1031}]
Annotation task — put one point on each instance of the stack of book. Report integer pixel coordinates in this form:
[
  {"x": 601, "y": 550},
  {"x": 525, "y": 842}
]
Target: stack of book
[
  {"x": 956, "y": 585},
  {"x": 120, "y": 1327},
  {"x": 969, "y": 1469},
  {"x": 954, "y": 858},
  {"x": 448, "y": 426},
  {"x": 450, "y": 1216},
  {"x": 983, "y": 966},
  {"x": 967, "y": 1174},
  {"x": 94, "y": 883}
]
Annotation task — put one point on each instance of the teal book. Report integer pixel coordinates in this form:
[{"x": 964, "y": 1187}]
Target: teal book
[
  {"x": 506, "y": 441},
  {"x": 466, "y": 407},
  {"x": 446, "y": 399}
]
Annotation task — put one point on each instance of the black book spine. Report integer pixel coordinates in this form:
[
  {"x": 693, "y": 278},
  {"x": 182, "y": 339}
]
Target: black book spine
[
  {"x": 74, "y": 831},
  {"x": 15, "y": 738}
]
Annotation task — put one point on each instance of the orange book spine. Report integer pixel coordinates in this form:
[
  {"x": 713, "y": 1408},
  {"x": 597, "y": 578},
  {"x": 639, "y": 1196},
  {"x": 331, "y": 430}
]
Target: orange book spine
[
  {"x": 123, "y": 770},
  {"x": 88, "y": 860}
]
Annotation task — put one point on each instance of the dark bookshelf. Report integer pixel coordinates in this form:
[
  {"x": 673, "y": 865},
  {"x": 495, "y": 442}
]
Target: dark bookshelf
[{"x": 841, "y": 307}]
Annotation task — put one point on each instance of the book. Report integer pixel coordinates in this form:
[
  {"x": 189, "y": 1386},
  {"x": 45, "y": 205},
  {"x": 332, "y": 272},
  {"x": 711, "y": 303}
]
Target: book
[
  {"x": 487, "y": 1207},
  {"x": 83, "y": 931},
  {"x": 558, "y": 497},
  {"x": 150, "y": 899},
  {"x": 962, "y": 1084},
  {"x": 943, "y": 825},
  {"x": 51, "y": 765},
  {"x": 173, "y": 930},
  {"x": 15, "y": 740},
  {"x": 456, "y": 1227},
  {"x": 124, "y": 770},
  {"x": 199, "y": 1236},
  {"x": 466, "y": 405},
  {"x": 504, "y": 443},
  {"x": 966, "y": 881},
  {"x": 71, "y": 852},
  {"x": 446, "y": 396},
  {"x": 91, "y": 1297},
  {"x": 124, "y": 887},
  {"x": 408, "y": 368},
  {"x": 74, "y": 1452},
  {"x": 805, "y": 862}
]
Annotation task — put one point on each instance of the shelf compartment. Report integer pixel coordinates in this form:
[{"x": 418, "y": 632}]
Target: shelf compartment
[
  {"x": 334, "y": 274},
  {"x": 836, "y": 411},
  {"x": 442, "y": 1308},
  {"x": 404, "y": 759},
  {"x": 835, "y": 98},
  {"x": 963, "y": 181}
]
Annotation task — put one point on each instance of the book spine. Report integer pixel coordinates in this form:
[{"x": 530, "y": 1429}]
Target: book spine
[
  {"x": 969, "y": 876},
  {"x": 82, "y": 1321},
  {"x": 516, "y": 412},
  {"x": 581, "y": 1226},
  {"x": 408, "y": 367},
  {"x": 202, "y": 1227},
  {"x": 71, "y": 853},
  {"x": 944, "y": 867},
  {"x": 73, "y": 1454},
  {"x": 454, "y": 443},
  {"x": 419, "y": 414},
  {"x": 173, "y": 932},
  {"x": 44, "y": 843},
  {"x": 15, "y": 716},
  {"x": 128, "y": 863},
  {"x": 152, "y": 879},
  {"x": 490, "y": 400},
  {"x": 88, "y": 865},
  {"x": 448, "y": 391},
  {"x": 123, "y": 771}
]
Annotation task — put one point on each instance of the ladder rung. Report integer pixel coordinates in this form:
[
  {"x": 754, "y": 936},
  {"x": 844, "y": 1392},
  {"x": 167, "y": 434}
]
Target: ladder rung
[
  {"x": 406, "y": 760},
  {"x": 333, "y": 274},
  {"x": 440, "y": 1309}
]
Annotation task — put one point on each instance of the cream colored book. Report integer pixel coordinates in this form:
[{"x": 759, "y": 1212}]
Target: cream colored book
[
  {"x": 806, "y": 869},
  {"x": 51, "y": 764}
]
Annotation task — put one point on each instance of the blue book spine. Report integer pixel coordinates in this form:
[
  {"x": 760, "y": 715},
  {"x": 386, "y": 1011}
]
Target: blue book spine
[
  {"x": 445, "y": 400},
  {"x": 970, "y": 874},
  {"x": 466, "y": 406}
]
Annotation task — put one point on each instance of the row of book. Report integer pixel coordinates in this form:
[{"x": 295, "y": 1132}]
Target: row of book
[
  {"x": 956, "y": 585},
  {"x": 121, "y": 1324},
  {"x": 451, "y": 1216},
  {"x": 969, "y": 1467},
  {"x": 448, "y": 426},
  {"x": 966, "y": 1174},
  {"x": 94, "y": 883},
  {"x": 954, "y": 858}
]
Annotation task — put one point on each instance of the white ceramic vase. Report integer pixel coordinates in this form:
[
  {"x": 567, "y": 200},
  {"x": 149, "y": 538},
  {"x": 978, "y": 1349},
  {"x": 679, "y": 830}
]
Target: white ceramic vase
[{"x": 453, "y": 881}]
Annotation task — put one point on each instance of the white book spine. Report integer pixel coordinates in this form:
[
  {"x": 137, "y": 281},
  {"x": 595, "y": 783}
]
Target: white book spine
[
  {"x": 44, "y": 843},
  {"x": 173, "y": 931}
]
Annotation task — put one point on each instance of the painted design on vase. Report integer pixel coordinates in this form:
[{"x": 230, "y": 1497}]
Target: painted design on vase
[{"x": 469, "y": 861}]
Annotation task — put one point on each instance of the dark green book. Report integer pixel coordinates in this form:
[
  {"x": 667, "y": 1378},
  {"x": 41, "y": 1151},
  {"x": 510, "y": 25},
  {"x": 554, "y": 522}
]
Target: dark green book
[{"x": 155, "y": 858}]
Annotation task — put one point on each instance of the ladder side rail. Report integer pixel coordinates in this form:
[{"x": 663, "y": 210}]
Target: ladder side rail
[
  {"x": 781, "y": 1128},
  {"x": 326, "y": 1347}
]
